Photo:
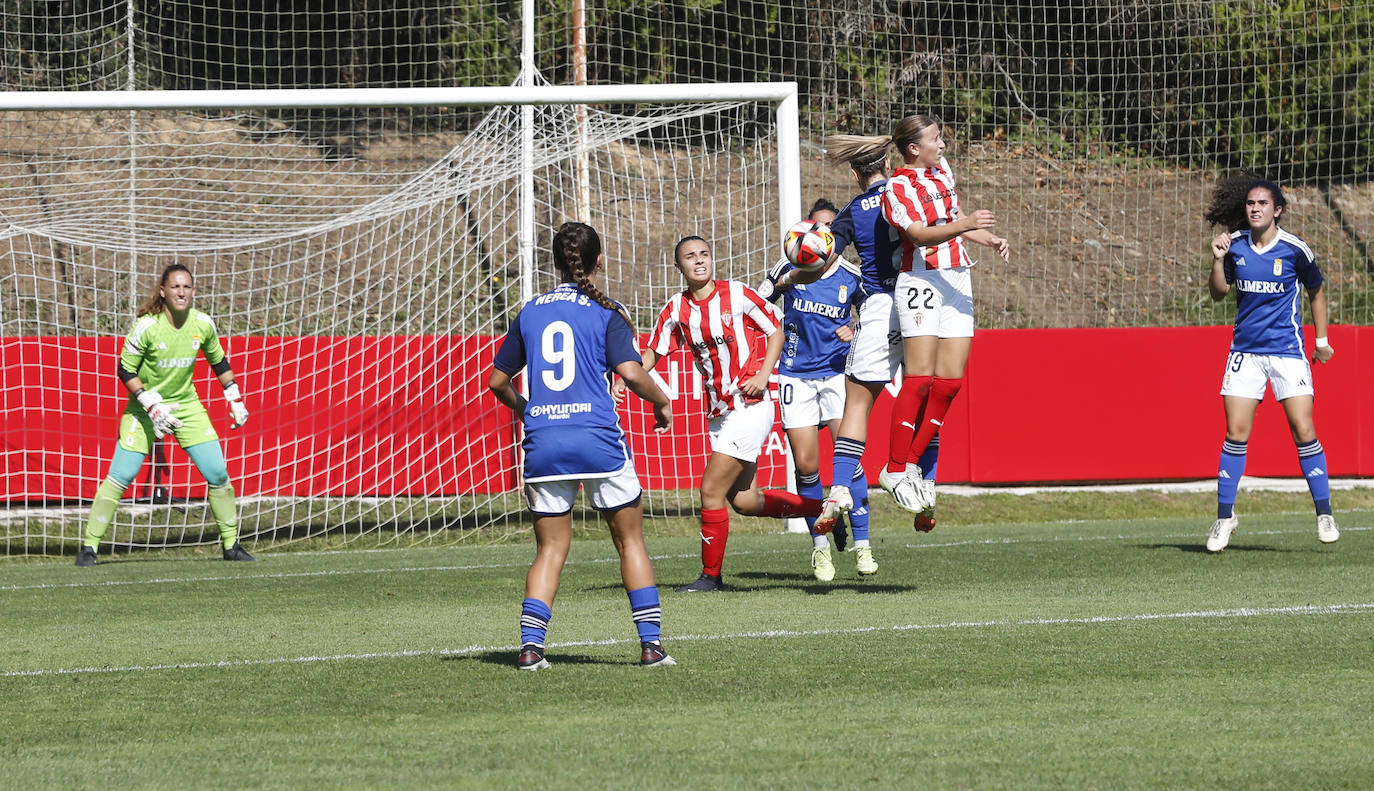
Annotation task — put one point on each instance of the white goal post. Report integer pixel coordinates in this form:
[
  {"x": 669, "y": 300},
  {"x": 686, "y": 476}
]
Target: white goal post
[{"x": 358, "y": 242}]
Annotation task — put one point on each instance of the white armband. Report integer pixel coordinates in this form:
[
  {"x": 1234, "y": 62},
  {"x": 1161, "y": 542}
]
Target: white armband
[{"x": 1323, "y": 343}]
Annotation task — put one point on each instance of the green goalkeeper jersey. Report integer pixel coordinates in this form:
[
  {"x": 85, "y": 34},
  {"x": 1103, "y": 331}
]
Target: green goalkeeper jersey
[{"x": 164, "y": 357}]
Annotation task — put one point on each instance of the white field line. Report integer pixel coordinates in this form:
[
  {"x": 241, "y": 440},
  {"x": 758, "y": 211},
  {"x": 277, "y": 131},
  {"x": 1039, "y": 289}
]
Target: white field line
[
  {"x": 572, "y": 562},
  {"x": 1243, "y": 612}
]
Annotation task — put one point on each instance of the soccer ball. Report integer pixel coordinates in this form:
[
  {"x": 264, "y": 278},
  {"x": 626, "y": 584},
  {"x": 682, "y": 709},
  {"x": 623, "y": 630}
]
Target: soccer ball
[{"x": 809, "y": 245}]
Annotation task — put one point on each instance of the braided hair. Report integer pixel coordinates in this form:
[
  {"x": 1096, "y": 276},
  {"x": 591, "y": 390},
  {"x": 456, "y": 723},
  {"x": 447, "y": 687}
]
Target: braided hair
[
  {"x": 1227, "y": 207},
  {"x": 154, "y": 304},
  {"x": 576, "y": 246}
]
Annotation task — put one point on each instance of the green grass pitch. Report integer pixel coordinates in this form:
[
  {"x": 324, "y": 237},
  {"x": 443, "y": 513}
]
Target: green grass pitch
[{"x": 1043, "y": 651}]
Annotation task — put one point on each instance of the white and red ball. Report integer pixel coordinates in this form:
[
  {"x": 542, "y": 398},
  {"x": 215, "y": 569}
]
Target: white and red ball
[{"x": 809, "y": 245}]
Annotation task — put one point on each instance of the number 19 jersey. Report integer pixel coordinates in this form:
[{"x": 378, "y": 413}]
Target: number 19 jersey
[{"x": 568, "y": 344}]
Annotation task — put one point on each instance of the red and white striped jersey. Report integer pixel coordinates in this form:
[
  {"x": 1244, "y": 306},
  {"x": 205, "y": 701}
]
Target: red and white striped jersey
[
  {"x": 926, "y": 196},
  {"x": 727, "y": 334}
]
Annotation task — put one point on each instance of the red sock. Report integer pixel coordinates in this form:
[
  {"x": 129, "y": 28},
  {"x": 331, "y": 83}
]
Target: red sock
[
  {"x": 782, "y": 503},
  {"x": 910, "y": 399},
  {"x": 715, "y": 530},
  {"x": 942, "y": 393}
]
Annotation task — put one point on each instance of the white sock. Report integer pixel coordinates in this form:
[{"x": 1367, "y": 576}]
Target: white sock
[{"x": 820, "y": 542}]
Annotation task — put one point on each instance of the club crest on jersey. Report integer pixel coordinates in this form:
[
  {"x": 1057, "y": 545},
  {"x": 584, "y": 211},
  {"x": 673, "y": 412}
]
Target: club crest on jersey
[
  {"x": 195, "y": 341},
  {"x": 844, "y": 293},
  {"x": 1278, "y": 267}
]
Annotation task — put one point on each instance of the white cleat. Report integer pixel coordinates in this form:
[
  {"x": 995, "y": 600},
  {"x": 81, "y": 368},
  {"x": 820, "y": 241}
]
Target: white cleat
[
  {"x": 889, "y": 480},
  {"x": 1326, "y": 529},
  {"x": 909, "y": 496},
  {"x": 839, "y": 502},
  {"x": 928, "y": 493},
  {"x": 1221, "y": 533}
]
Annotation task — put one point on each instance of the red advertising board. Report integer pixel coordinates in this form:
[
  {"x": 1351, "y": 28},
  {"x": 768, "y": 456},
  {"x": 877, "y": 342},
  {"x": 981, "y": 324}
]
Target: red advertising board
[{"x": 407, "y": 415}]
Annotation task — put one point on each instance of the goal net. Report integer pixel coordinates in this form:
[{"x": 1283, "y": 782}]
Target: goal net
[{"x": 360, "y": 281}]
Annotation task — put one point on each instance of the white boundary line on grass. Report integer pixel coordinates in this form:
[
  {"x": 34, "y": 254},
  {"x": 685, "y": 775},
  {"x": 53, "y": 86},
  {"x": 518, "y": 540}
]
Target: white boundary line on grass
[
  {"x": 680, "y": 556},
  {"x": 1242, "y": 612}
]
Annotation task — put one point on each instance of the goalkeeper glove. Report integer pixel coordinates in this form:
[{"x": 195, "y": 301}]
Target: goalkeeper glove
[
  {"x": 161, "y": 414},
  {"x": 234, "y": 396}
]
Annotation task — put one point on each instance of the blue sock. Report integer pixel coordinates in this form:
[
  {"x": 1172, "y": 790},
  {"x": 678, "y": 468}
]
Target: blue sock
[
  {"x": 810, "y": 486},
  {"x": 848, "y": 453},
  {"x": 930, "y": 458},
  {"x": 1229, "y": 470},
  {"x": 534, "y": 621},
  {"x": 1312, "y": 459},
  {"x": 646, "y": 613},
  {"x": 858, "y": 517}
]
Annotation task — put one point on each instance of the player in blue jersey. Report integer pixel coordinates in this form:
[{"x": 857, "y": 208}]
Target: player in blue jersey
[
  {"x": 875, "y": 353},
  {"x": 1268, "y": 268},
  {"x": 568, "y": 341},
  {"x": 811, "y": 384}
]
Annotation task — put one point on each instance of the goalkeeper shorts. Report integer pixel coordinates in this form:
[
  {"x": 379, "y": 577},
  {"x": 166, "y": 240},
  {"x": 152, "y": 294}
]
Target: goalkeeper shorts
[{"x": 136, "y": 429}]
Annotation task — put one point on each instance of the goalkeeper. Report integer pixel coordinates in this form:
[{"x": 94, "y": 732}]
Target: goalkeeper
[{"x": 156, "y": 365}]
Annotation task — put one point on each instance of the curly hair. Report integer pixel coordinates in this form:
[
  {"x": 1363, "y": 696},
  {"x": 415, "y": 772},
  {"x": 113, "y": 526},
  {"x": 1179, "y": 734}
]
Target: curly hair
[
  {"x": 576, "y": 247},
  {"x": 1227, "y": 207}
]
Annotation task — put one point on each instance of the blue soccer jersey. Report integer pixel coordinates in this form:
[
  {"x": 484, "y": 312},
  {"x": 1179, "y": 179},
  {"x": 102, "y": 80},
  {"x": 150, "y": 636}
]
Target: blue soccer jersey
[
  {"x": 1268, "y": 282},
  {"x": 879, "y": 245},
  {"x": 811, "y": 312},
  {"x": 568, "y": 343}
]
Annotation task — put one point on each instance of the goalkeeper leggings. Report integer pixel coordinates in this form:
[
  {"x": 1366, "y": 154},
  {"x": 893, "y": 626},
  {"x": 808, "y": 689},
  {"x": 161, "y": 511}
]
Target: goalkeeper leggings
[{"x": 207, "y": 456}]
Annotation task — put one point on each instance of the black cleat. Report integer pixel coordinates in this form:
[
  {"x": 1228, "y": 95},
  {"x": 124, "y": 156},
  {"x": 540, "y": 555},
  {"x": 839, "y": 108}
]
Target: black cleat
[
  {"x": 85, "y": 557},
  {"x": 704, "y": 584},
  {"x": 653, "y": 655},
  {"x": 237, "y": 552},
  {"x": 841, "y": 535},
  {"x": 532, "y": 658}
]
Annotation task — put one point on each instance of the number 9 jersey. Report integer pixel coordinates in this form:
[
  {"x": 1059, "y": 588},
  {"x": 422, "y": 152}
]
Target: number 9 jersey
[{"x": 569, "y": 344}]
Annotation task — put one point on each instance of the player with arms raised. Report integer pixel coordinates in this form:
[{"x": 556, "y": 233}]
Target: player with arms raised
[
  {"x": 734, "y": 338},
  {"x": 1268, "y": 268},
  {"x": 811, "y": 385},
  {"x": 875, "y": 353},
  {"x": 157, "y": 366},
  {"x": 568, "y": 340},
  {"x": 934, "y": 298}
]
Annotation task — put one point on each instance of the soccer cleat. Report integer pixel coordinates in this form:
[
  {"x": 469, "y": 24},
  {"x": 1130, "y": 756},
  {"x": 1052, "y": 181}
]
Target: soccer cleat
[
  {"x": 85, "y": 557},
  {"x": 864, "y": 562},
  {"x": 908, "y": 495},
  {"x": 821, "y": 565},
  {"x": 889, "y": 480},
  {"x": 927, "y": 487},
  {"x": 706, "y": 583},
  {"x": 653, "y": 655},
  {"x": 841, "y": 535},
  {"x": 839, "y": 502},
  {"x": 237, "y": 552},
  {"x": 1221, "y": 533},
  {"x": 1326, "y": 529},
  {"x": 531, "y": 658},
  {"x": 924, "y": 521}
]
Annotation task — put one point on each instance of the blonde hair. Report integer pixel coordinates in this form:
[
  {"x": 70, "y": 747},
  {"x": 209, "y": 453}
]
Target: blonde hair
[{"x": 862, "y": 152}]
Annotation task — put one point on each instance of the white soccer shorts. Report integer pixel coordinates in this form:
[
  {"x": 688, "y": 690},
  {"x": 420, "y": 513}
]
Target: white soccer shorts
[
  {"x": 935, "y": 302},
  {"x": 875, "y": 353},
  {"x": 810, "y": 402},
  {"x": 741, "y": 432},
  {"x": 1246, "y": 375},
  {"x": 607, "y": 493}
]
